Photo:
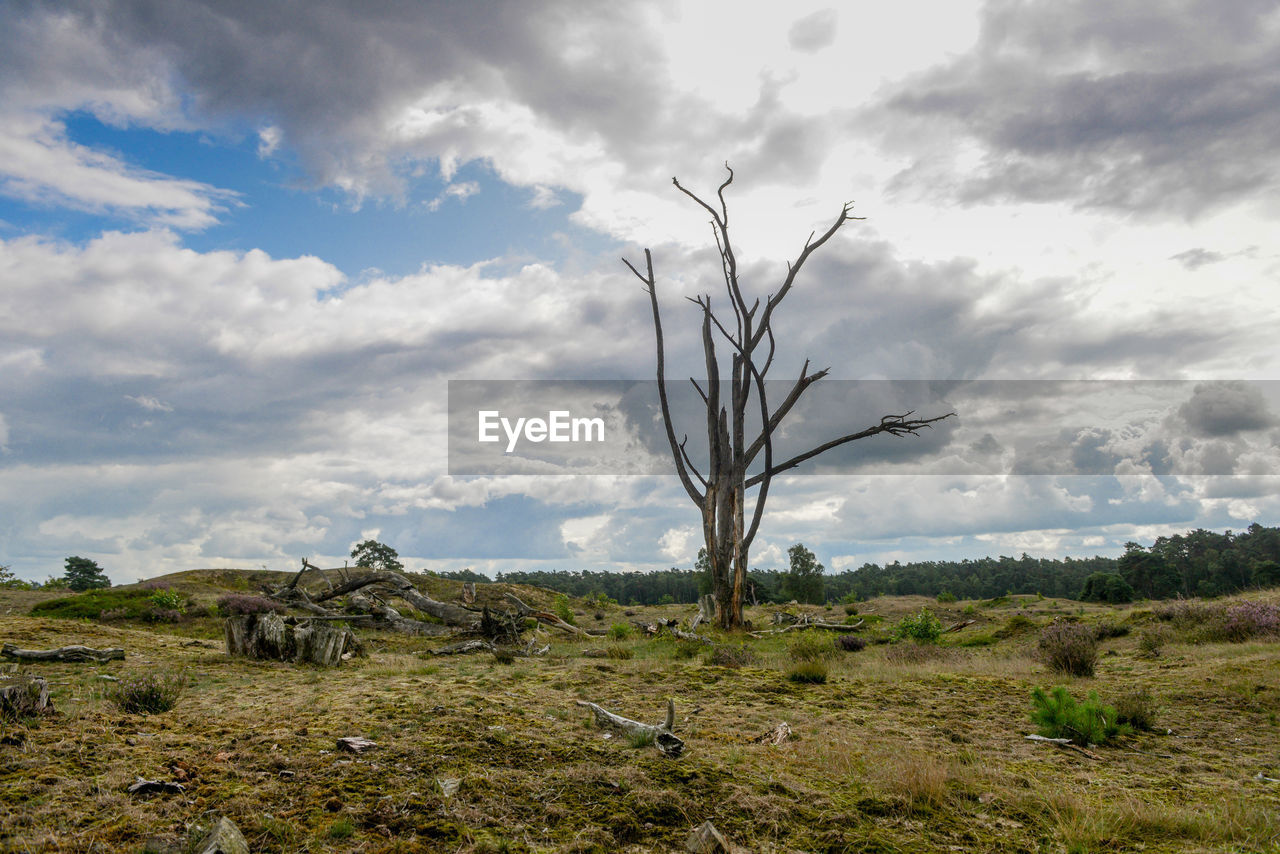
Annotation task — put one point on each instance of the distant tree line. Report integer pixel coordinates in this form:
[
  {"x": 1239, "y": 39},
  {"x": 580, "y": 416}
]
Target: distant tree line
[{"x": 1198, "y": 563}]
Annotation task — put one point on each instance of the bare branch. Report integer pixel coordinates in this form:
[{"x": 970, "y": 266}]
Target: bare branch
[
  {"x": 895, "y": 425},
  {"x": 688, "y": 462},
  {"x": 652, "y": 288},
  {"x": 810, "y": 246}
]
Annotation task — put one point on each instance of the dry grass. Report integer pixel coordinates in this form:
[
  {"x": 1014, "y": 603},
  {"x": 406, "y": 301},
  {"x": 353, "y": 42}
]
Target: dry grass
[{"x": 909, "y": 756}]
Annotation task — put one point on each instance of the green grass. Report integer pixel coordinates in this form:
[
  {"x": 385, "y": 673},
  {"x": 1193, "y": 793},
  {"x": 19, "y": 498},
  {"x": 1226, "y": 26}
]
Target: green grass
[
  {"x": 92, "y": 603},
  {"x": 883, "y": 756}
]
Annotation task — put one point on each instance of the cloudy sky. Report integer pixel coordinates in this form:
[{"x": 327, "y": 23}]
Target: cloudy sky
[{"x": 244, "y": 247}]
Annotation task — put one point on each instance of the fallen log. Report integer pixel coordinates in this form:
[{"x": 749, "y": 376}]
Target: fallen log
[
  {"x": 64, "y": 653},
  {"x": 544, "y": 617},
  {"x": 958, "y": 626},
  {"x": 146, "y": 787},
  {"x": 660, "y": 734},
  {"x": 464, "y": 647},
  {"x": 806, "y": 622},
  {"x": 453, "y": 615},
  {"x": 690, "y": 636},
  {"x": 372, "y": 606}
]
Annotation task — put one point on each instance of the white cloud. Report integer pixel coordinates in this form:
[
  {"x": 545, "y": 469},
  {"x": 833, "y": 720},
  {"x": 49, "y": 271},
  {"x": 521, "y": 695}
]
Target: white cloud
[{"x": 39, "y": 164}]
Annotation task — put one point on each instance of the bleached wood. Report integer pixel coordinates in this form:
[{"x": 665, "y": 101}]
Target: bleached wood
[
  {"x": 663, "y": 737},
  {"x": 64, "y": 653}
]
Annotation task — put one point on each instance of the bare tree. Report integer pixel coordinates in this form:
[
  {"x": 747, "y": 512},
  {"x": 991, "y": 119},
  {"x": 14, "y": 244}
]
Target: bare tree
[{"x": 721, "y": 493}]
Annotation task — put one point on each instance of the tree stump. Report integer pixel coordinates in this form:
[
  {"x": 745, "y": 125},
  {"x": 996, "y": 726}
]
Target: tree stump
[
  {"x": 24, "y": 696},
  {"x": 273, "y": 637}
]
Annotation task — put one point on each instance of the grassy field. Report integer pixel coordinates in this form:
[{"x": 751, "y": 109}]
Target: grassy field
[{"x": 900, "y": 749}]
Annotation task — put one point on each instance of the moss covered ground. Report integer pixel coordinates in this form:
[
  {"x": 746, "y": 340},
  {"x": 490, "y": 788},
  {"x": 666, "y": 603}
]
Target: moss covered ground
[{"x": 922, "y": 753}]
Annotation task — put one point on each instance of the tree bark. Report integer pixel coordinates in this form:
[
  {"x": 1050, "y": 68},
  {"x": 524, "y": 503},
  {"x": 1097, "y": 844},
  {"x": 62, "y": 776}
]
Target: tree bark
[
  {"x": 24, "y": 696},
  {"x": 662, "y": 736},
  {"x": 64, "y": 653},
  {"x": 720, "y": 494},
  {"x": 273, "y": 637}
]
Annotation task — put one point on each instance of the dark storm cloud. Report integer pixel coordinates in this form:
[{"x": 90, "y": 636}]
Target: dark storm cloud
[
  {"x": 1165, "y": 108},
  {"x": 1225, "y": 409},
  {"x": 365, "y": 93}
]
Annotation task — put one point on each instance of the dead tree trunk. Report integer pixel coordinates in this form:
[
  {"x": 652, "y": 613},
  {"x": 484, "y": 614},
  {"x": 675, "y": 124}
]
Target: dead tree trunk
[
  {"x": 24, "y": 696},
  {"x": 271, "y": 636},
  {"x": 721, "y": 493}
]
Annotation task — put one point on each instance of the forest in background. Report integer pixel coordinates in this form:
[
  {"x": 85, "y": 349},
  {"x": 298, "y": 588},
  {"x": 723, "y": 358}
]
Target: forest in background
[{"x": 1198, "y": 563}]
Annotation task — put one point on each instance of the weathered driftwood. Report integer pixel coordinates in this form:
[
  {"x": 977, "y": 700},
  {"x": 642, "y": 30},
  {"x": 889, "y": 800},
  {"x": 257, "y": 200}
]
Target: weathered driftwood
[
  {"x": 64, "y": 653},
  {"x": 373, "y": 606},
  {"x": 706, "y": 610},
  {"x": 468, "y": 593},
  {"x": 543, "y": 616},
  {"x": 223, "y": 838},
  {"x": 778, "y": 735},
  {"x": 958, "y": 626},
  {"x": 367, "y": 594},
  {"x": 271, "y": 636},
  {"x": 147, "y": 787},
  {"x": 464, "y": 647},
  {"x": 24, "y": 696},
  {"x": 689, "y": 636},
  {"x": 705, "y": 839},
  {"x": 452, "y": 615},
  {"x": 356, "y": 744},
  {"x": 805, "y": 622},
  {"x": 662, "y": 736}
]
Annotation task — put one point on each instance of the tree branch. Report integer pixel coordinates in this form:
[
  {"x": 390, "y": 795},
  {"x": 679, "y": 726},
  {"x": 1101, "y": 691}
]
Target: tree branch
[{"x": 894, "y": 425}]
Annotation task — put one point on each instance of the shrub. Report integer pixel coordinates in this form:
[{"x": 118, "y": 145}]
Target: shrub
[
  {"x": 1102, "y": 631},
  {"x": 168, "y": 599},
  {"x": 946, "y": 597},
  {"x": 162, "y": 615},
  {"x": 686, "y": 649},
  {"x": 621, "y": 653},
  {"x": 922, "y": 627},
  {"x": 619, "y": 631},
  {"x": 562, "y": 610},
  {"x": 1058, "y": 715},
  {"x": 90, "y": 605},
  {"x": 343, "y": 828},
  {"x": 151, "y": 693},
  {"x": 969, "y": 610},
  {"x": 1069, "y": 648},
  {"x": 240, "y": 604},
  {"x": 1014, "y": 626},
  {"x": 808, "y": 672},
  {"x": 1245, "y": 620},
  {"x": 731, "y": 656},
  {"x": 1137, "y": 708},
  {"x": 1152, "y": 639},
  {"x": 1185, "y": 615},
  {"x": 850, "y": 609},
  {"x": 812, "y": 647},
  {"x": 504, "y": 655},
  {"x": 851, "y": 643}
]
